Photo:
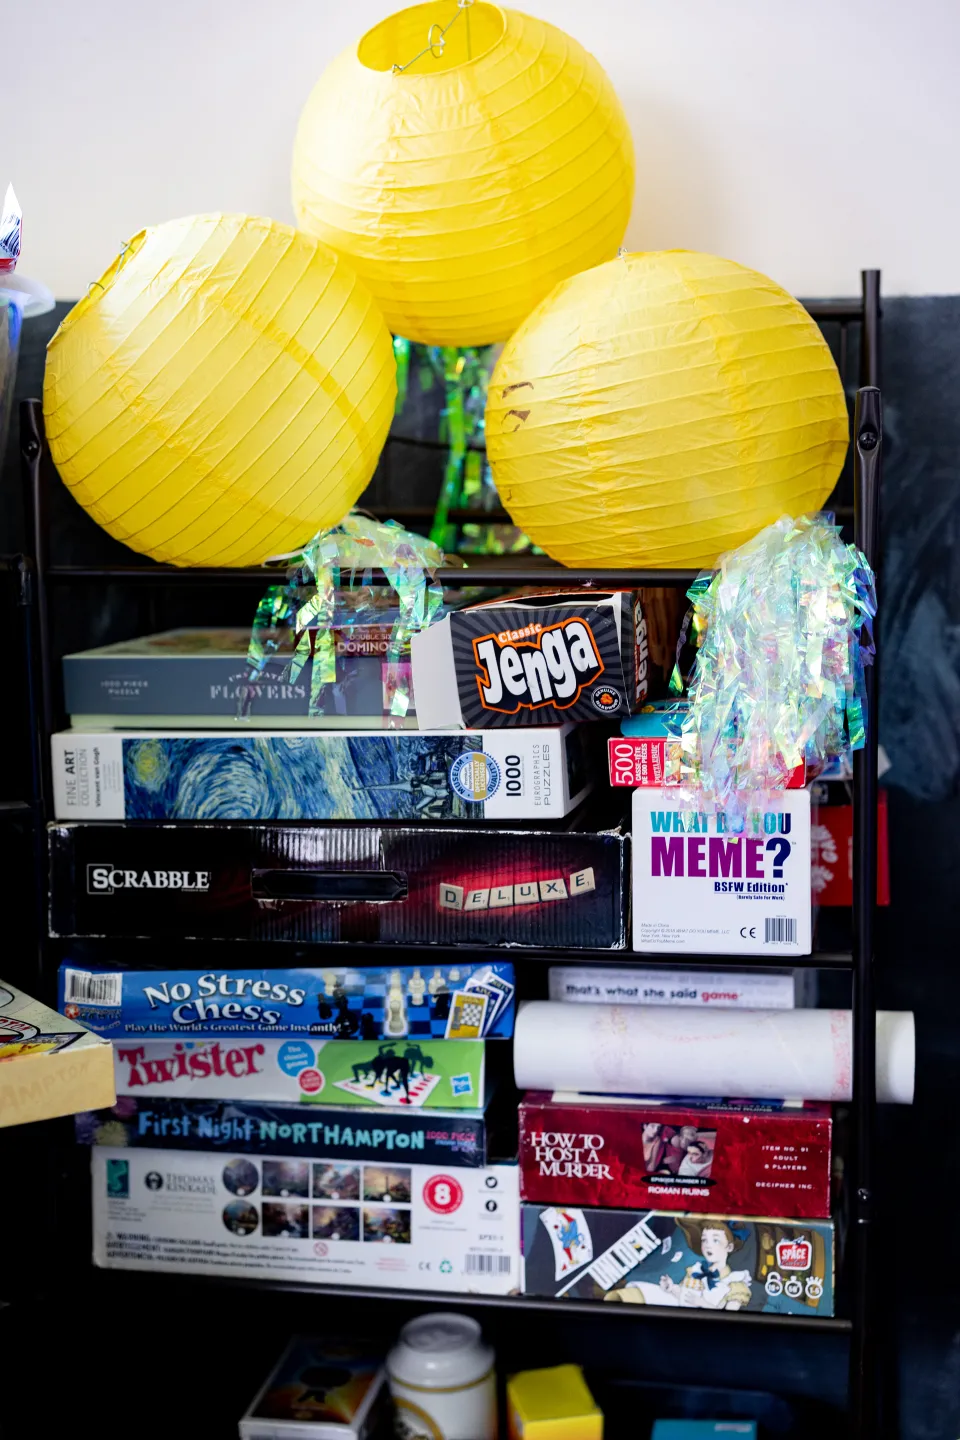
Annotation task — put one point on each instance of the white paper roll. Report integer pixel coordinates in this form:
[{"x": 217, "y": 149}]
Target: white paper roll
[{"x": 758, "y": 1054}]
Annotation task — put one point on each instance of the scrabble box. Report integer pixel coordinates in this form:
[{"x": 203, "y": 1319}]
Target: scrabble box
[
  {"x": 419, "y": 1074},
  {"x": 686, "y": 1262},
  {"x": 399, "y": 1224},
  {"x": 409, "y": 1003},
  {"x": 430, "y": 885}
]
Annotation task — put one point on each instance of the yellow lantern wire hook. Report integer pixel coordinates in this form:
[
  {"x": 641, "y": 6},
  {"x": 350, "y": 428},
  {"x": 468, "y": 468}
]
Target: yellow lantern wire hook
[{"x": 437, "y": 38}]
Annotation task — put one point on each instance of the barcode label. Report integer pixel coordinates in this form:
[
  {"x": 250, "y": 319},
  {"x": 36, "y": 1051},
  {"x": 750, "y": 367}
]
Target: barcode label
[
  {"x": 778, "y": 931},
  {"x": 82, "y": 988},
  {"x": 487, "y": 1264}
]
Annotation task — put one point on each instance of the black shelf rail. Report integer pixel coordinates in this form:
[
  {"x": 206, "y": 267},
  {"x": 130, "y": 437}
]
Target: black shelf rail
[
  {"x": 859, "y": 1323},
  {"x": 652, "y": 1314}
]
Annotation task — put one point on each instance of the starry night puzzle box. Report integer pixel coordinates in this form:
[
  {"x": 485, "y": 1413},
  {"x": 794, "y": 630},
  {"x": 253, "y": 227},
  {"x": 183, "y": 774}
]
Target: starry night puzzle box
[
  {"x": 437, "y": 885},
  {"x": 409, "y": 1004},
  {"x": 319, "y": 775},
  {"x": 686, "y": 1262},
  {"x": 421, "y": 1074}
]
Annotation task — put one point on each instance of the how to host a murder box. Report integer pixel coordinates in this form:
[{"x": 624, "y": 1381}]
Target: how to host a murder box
[
  {"x": 427, "y": 885},
  {"x": 320, "y": 775}
]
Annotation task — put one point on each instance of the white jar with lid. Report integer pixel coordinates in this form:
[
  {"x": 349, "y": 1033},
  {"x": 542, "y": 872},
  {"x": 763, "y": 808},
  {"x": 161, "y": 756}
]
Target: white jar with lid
[{"x": 443, "y": 1381}]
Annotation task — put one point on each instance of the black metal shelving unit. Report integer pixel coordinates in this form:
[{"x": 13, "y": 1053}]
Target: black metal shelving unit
[{"x": 39, "y": 577}]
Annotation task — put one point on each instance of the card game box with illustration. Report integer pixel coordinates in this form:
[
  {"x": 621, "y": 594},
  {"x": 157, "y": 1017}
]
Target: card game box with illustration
[
  {"x": 461, "y": 1138},
  {"x": 392, "y": 1222},
  {"x": 733, "y": 1157},
  {"x": 434, "y": 1074},
  {"x": 320, "y": 1389},
  {"x": 687, "y": 1262},
  {"x": 432, "y": 885},
  {"x": 409, "y": 1004},
  {"x": 51, "y": 1065}
]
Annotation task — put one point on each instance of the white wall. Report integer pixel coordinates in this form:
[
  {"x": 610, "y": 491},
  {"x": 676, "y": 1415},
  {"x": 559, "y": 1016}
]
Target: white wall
[{"x": 807, "y": 138}]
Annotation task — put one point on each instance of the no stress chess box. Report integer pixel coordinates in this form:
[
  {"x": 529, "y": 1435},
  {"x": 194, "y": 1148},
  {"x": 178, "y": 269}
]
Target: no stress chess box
[
  {"x": 686, "y": 1262},
  {"x": 702, "y": 886},
  {"x": 429, "y": 885},
  {"x": 389, "y": 1224},
  {"x": 735, "y": 1157},
  {"x": 461, "y": 1138},
  {"x": 430, "y": 1002},
  {"x": 434, "y": 1074},
  {"x": 319, "y": 775},
  {"x": 533, "y": 660}
]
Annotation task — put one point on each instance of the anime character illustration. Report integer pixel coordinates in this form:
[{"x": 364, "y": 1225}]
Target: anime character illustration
[{"x": 710, "y": 1283}]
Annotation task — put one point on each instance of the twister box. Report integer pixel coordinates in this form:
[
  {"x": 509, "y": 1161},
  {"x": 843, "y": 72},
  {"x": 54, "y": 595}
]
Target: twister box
[
  {"x": 461, "y": 1138},
  {"x": 383, "y": 1223},
  {"x": 430, "y": 1074},
  {"x": 701, "y": 887},
  {"x": 733, "y": 1156},
  {"x": 318, "y": 775},
  {"x": 415, "y": 1003},
  {"x": 429, "y": 885},
  {"x": 686, "y": 1262},
  {"x": 533, "y": 660}
]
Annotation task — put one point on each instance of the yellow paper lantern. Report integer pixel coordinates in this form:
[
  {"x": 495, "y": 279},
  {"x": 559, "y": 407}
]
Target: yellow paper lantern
[
  {"x": 661, "y": 409},
  {"x": 464, "y": 186},
  {"x": 222, "y": 393}
]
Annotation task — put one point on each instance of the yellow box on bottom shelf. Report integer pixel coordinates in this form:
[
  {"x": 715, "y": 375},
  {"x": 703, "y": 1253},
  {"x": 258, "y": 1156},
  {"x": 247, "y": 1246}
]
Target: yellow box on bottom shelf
[
  {"x": 552, "y": 1404},
  {"x": 49, "y": 1065}
]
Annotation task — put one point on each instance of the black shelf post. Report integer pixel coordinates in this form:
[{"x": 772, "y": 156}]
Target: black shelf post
[{"x": 864, "y": 1377}]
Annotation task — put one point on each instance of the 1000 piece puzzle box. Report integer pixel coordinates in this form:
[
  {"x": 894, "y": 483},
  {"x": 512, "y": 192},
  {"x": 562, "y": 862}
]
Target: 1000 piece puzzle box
[{"x": 319, "y": 775}]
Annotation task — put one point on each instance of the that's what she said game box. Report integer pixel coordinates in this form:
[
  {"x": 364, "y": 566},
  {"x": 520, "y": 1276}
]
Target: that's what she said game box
[
  {"x": 387, "y": 1223},
  {"x": 733, "y": 1157}
]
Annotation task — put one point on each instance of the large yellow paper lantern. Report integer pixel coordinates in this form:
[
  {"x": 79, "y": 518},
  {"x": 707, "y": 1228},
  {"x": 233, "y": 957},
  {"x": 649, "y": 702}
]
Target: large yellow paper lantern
[
  {"x": 661, "y": 409},
  {"x": 222, "y": 393},
  {"x": 465, "y": 185}
]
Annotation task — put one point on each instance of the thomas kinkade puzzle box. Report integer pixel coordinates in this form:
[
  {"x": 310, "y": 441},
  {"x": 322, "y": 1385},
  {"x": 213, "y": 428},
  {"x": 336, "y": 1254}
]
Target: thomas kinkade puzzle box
[{"x": 388, "y": 1221}]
